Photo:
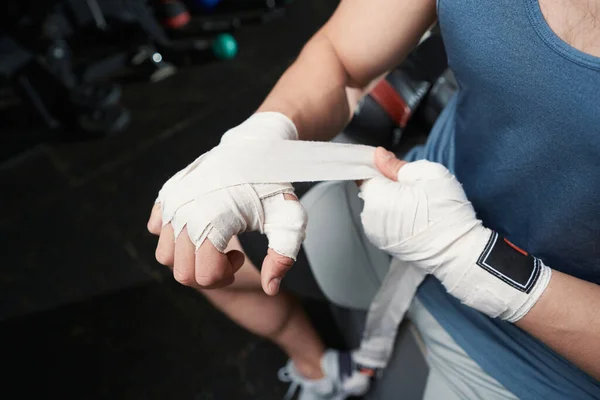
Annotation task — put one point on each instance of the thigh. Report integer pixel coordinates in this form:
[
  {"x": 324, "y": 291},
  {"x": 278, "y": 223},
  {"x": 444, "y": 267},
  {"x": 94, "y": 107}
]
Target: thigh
[
  {"x": 452, "y": 373},
  {"x": 438, "y": 387},
  {"x": 347, "y": 267}
]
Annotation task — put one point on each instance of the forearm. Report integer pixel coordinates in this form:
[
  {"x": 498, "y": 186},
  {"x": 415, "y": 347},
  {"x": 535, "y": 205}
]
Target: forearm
[
  {"x": 313, "y": 92},
  {"x": 567, "y": 319}
]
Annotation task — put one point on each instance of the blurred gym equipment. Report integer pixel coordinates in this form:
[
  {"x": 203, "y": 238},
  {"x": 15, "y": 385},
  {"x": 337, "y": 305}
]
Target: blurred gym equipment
[
  {"x": 413, "y": 93},
  {"x": 60, "y": 57},
  {"x": 228, "y": 15},
  {"x": 56, "y": 96}
]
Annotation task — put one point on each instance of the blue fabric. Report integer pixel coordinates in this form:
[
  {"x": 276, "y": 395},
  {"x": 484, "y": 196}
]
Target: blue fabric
[{"x": 523, "y": 137}]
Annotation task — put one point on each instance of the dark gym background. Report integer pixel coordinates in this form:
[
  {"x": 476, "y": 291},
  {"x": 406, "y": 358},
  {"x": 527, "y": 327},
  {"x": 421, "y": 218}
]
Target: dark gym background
[{"x": 85, "y": 310}]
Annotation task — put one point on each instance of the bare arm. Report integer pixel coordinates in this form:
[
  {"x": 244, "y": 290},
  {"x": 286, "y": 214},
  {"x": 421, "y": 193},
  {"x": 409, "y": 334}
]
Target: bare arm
[
  {"x": 567, "y": 319},
  {"x": 362, "y": 40}
]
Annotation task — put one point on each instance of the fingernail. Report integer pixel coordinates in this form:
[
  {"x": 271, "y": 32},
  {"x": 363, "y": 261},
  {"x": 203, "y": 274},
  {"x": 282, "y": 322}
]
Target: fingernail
[
  {"x": 274, "y": 285},
  {"x": 389, "y": 155}
]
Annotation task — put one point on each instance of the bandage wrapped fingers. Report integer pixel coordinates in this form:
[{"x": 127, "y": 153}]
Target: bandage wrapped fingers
[
  {"x": 210, "y": 198},
  {"x": 426, "y": 220}
]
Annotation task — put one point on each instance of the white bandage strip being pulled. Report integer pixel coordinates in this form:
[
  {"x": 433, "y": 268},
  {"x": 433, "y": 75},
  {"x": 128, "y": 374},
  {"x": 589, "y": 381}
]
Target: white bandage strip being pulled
[
  {"x": 250, "y": 160},
  {"x": 235, "y": 186}
]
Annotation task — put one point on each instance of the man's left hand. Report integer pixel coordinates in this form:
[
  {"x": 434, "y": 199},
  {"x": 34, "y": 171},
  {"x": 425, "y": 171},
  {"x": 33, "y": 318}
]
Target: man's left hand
[{"x": 419, "y": 213}]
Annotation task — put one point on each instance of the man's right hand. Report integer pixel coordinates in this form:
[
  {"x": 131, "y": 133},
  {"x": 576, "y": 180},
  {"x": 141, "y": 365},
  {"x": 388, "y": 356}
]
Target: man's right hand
[
  {"x": 206, "y": 268},
  {"x": 186, "y": 214}
]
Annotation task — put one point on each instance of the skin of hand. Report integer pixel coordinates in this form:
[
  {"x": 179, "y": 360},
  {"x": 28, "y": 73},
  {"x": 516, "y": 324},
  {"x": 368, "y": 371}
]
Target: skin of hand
[{"x": 208, "y": 268}]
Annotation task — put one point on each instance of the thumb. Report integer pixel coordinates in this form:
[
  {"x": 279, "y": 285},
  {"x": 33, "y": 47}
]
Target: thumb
[
  {"x": 387, "y": 163},
  {"x": 274, "y": 268}
]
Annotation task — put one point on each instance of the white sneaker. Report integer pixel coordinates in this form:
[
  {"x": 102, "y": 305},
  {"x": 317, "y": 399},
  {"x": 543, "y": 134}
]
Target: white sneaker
[{"x": 341, "y": 379}]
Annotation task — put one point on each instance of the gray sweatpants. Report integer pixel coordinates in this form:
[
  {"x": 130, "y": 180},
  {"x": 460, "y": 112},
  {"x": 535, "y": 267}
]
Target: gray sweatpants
[{"x": 350, "y": 270}]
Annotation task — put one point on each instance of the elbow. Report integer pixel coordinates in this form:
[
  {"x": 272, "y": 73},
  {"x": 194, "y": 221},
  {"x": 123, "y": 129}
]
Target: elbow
[{"x": 324, "y": 46}]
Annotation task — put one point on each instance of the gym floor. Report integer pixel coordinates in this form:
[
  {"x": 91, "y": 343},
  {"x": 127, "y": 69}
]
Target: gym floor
[{"x": 85, "y": 310}]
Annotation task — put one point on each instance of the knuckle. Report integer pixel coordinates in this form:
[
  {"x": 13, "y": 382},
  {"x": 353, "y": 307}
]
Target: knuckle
[
  {"x": 163, "y": 257},
  {"x": 282, "y": 264},
  {"x": 210, "y": 276},
  {"x": 435, "y": 171},
  {"x": 153, "y": 227},
  {"x": 206, "y": 280},
  {"x": 301, "y": 214},
  {"x": 376, "y": 190},
  {"x": 423, "y": 170},
  {"x": 289, "y": 214},
  {"x": 185, "y": 279}
]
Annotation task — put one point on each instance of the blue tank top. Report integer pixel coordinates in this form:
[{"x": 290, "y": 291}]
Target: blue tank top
[{"x": 526, "y": 130}]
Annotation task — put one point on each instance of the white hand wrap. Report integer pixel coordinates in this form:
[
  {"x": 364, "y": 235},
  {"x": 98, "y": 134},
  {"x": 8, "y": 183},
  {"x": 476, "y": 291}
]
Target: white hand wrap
[
  {"x": 426, "y": 219},
  {"x": 238, "y": 185}
]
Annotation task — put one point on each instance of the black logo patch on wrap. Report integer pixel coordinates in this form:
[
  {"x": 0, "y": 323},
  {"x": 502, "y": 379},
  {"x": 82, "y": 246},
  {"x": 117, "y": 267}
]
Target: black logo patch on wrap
[{"x": 509, "y": 263}]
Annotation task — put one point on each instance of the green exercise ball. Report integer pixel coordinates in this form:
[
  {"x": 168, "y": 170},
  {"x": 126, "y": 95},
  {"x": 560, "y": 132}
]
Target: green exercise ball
[{"x": 225, "y": 46}]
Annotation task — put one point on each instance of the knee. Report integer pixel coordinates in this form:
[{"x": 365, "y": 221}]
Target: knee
[{"x": 277, "y": 326}]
